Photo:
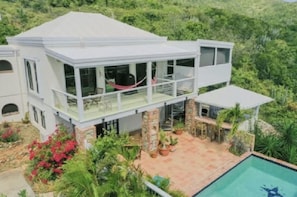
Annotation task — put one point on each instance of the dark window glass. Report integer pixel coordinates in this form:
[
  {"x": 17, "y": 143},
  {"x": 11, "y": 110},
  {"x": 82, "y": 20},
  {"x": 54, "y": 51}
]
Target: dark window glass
[
  {"x": 185, "y": 62},
  {"x": 35, "y": 114},
  {"x": 119, "y": 75},
  {"x": 207, "y": 56},
  {"x": 10, "y": 108},
  {"x": 36, "y": 80},
  {"x": 42, "y": 119},
  {"x": 29, "y": 75},
  {"x": 170, "y": 62},
  {"x": 88, "y": 81},
  {"x": 5, "y": 65},
  {"x": 69, "y": 79},
  {"x": 223, "y": 56}
]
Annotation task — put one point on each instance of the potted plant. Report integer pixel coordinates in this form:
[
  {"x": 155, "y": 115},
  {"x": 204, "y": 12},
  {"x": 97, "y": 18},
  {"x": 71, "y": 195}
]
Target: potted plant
[
  {"x": 172, "y": 143},
  {"x": 164, "y": 147},
  {"x": 179, "y": 127},
  {"x": 154, "y": 153}
]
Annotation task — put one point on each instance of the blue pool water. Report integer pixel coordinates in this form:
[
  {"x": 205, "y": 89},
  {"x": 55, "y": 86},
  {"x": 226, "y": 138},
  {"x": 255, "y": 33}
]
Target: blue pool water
[{"x": 252, "y": 178}]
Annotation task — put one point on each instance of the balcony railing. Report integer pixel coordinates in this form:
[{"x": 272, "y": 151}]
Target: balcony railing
[{"x": 100, "y": 105}]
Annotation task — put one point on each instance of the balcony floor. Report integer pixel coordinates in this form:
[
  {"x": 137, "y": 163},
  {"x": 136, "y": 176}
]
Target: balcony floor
[{"x": 107, "y": 107}]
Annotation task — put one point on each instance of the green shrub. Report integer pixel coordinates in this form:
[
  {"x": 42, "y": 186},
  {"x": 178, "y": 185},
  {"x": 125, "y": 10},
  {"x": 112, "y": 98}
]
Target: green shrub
[{"x": 10, "y": 135}]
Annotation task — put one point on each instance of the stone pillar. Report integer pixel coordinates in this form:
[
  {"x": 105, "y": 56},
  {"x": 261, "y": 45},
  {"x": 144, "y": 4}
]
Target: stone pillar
[
  {"x": 150, "y": 128},
  {"x": 190, "y": 114},
  {"x": 85, "y": 137}
]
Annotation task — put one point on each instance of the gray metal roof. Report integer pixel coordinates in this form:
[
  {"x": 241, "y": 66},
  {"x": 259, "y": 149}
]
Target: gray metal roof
[
  {"x": 108, "y": 55},
  {"x": 85, "y": 25},
  {"x": 228, "y": 96}
]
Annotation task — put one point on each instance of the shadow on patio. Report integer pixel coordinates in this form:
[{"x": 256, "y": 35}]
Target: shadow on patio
[{"x": 193, "y": 165}]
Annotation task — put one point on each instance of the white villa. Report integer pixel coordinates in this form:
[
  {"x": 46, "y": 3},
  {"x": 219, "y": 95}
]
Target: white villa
[{"x": 91, "y": 73}]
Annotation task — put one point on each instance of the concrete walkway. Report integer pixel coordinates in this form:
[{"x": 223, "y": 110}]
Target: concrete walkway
[{"x": 12, "y": 182}]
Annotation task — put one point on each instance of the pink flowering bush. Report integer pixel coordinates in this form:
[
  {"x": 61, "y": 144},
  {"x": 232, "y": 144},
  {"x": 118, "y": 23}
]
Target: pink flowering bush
[
  {"x": 10, "y": 135},
  {"x": 47, "y": 158}
]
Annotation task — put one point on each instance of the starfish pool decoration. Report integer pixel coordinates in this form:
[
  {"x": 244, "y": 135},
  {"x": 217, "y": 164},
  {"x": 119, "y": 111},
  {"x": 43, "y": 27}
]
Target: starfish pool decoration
[{"x": 272, "y": 192}]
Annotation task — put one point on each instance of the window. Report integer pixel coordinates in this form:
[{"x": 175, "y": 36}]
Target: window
[
  {"x": 185, "y": 62},
  {"x": 10, "y": 109},
  {"x": 32, "y": 78},
  {"x": 223, "y": 56},
  {"x": 35, "y": 114},
  {"x": 42, "y": 119},
  {"x": 87, "y": 79},
  {"x": 207, "y": 57},
  {"x": 29, "y": 76},
  {"x": 69, "y": 79},
  {"x": 5, "y": 66},
  {"x": 119, "y": 75}
]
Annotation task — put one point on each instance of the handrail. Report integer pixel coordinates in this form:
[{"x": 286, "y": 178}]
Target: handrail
[
  {"x": 156, "y": 189},
  {"x": 168, "y": 81}
]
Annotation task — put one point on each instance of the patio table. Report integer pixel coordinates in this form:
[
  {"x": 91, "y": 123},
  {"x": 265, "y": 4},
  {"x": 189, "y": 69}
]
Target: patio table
[{"x": 212, "y": 122}]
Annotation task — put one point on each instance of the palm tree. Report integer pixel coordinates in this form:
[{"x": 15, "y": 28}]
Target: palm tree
[
  {"x": 234, "y": 115},
  {"x": 102, "y": 172}
]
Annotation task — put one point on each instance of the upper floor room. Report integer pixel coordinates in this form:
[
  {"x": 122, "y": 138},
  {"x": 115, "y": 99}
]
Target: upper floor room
[{"x": 89, "y": 57}]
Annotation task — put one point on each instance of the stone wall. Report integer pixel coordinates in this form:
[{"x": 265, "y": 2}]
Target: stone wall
[
  {"x": 190, "y": 114},
  {"x": 150, "y": 128},
  {"x": 85, "y": 137}
]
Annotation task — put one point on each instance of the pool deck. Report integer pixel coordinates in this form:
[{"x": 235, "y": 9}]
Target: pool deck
[{"x": 193, "y": 165}]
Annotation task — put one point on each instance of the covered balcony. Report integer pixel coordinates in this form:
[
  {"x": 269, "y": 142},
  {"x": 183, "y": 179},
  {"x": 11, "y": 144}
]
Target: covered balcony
[{"x": 108, "y": 89}]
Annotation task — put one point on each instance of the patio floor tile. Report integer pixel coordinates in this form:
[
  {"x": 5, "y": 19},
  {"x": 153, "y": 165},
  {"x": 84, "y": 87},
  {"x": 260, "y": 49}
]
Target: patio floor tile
[{"x": 193, "y": 165}]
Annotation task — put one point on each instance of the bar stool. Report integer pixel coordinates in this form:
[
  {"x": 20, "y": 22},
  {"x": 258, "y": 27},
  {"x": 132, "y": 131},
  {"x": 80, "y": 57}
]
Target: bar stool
[{"x": 201, "y": 129}]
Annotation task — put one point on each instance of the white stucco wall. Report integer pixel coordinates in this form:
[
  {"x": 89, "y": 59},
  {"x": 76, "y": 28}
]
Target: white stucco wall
[
  {"x": 130, "y": 123},
  {"x": 12, "y": 89},
  {"x": 211, "y": 75}
]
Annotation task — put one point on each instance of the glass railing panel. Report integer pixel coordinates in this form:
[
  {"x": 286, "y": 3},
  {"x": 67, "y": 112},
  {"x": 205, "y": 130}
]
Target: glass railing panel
[{"x": 184, "y": 86}]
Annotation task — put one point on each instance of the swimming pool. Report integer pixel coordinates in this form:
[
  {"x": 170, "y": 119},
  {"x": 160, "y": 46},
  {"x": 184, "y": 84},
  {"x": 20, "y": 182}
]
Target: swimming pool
[{"x": 254, "y": 176}]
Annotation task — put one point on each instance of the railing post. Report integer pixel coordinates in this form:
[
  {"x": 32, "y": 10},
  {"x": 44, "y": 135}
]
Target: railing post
[
  {"x": 149, "y": 81},
  {"x": 80, "y": 103},
  {"x": 119, "y": 101},
  {"x": 174, "y": 89}
]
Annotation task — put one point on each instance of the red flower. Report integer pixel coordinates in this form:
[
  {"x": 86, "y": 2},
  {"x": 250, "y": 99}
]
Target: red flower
[
  {"x": 44, "y": 181},
  {"x": 32, "y": 155},
  {"x": 58, "y": 157},
  {"x": 57, "y": 170},
  {"x": 34, "y": 172},
  {"x": 70, "y": 146}
]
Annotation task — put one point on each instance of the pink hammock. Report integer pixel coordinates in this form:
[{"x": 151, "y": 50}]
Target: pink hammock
[{"x": 122, "y": 87}]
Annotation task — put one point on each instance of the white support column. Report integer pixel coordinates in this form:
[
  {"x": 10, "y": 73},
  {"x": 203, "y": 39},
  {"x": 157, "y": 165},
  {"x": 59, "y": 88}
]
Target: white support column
[
  {"x": 196, "y": 74},
  {"x": 216, "y": 56},
  {"x": 257, "y": 112},
  {"x": 230, "y": 62},
  {"x": 80, "y": 103},
  {"x": 149, "y": 81},
  {"x": 174, "y": 69}
]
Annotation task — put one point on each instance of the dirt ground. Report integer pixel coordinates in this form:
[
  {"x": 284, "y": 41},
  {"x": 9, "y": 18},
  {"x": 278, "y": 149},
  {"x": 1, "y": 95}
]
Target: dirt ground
[{"x": 16, "y": 155}]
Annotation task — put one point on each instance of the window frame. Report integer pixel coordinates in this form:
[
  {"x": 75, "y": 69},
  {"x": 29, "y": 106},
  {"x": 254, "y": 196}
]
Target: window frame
[
  {"x": 35, "y": 114},
  {"x": 31, "y": 71},
  {"x": 6, "y": 70},
  {"x": 11, "y": 112}
]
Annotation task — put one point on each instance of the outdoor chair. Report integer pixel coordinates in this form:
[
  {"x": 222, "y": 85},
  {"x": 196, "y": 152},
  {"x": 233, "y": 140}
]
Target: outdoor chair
[{"x": 201, "y": 129}]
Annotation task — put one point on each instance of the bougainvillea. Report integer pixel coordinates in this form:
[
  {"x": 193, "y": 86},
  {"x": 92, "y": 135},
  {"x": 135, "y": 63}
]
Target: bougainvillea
[
  {"x": 10, "y": 135},
  {"x": 47, "y": 158}
]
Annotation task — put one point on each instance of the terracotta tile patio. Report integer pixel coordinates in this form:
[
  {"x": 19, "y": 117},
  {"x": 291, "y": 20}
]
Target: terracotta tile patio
[{"x": 193, "y": 165}]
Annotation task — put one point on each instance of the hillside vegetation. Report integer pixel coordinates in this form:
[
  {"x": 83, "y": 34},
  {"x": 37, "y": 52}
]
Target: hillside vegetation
[{"x": 264, "y": 33}]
